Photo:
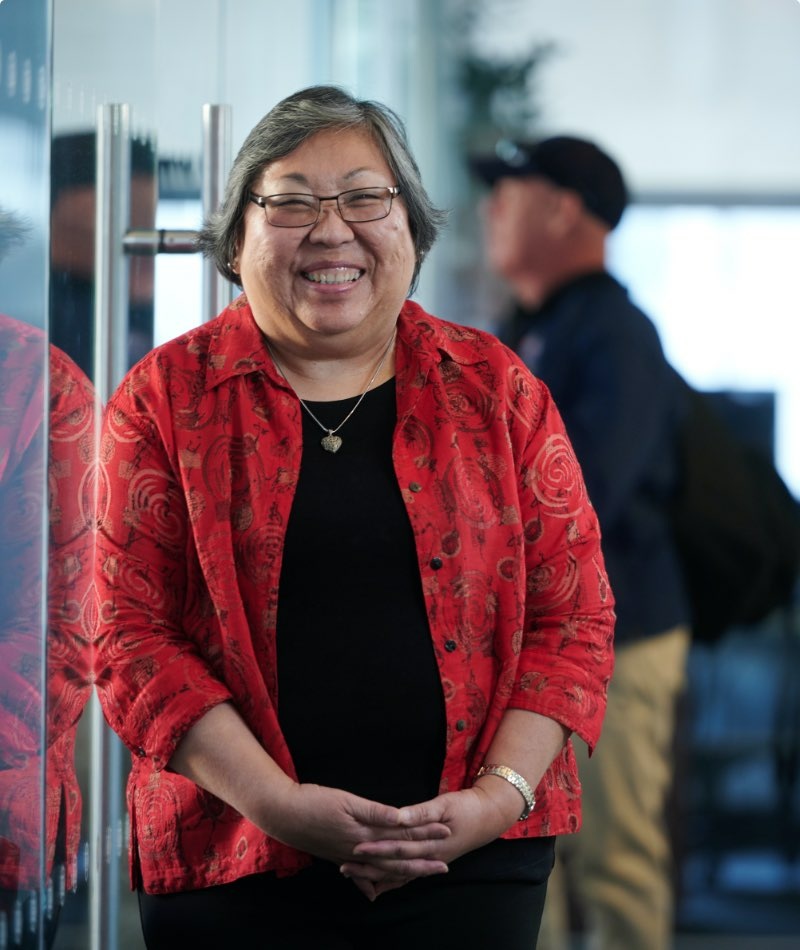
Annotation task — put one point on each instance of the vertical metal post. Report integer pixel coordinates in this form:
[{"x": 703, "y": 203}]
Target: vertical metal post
[
  {"x": 112, "y": 216},
  {"x": 215, "y": 165}
]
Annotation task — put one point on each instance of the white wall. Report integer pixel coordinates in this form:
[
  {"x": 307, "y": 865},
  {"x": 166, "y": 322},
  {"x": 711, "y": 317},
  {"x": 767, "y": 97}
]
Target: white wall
[
  {"x": 693, "y": 95},
  {"x": 158, "y": 55}
]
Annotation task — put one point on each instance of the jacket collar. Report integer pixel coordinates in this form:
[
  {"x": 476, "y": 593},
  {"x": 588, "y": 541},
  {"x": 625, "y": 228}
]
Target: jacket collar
[
  {"x": 435, "y": 340},
  {"x": 237, "y": 346}
]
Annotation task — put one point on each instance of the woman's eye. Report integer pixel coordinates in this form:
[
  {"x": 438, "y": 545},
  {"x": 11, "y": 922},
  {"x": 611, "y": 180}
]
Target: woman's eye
[
  {"x": 362, "y": 198},
  {"x": 292, "y": 201}
]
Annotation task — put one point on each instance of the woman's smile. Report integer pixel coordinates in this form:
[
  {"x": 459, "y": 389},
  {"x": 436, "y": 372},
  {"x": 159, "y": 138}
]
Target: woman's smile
[{"x": 338, "y": 275}]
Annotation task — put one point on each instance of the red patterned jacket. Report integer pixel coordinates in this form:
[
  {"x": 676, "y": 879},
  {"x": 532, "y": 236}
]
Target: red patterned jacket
[{"x": 200, "y": 456}]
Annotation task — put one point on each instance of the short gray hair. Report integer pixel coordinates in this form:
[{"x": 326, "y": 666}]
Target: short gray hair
[{"x": 283, "y": 129}]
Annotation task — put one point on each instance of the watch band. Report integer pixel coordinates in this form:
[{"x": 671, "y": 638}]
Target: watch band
[{"x": 519, "y": 783}]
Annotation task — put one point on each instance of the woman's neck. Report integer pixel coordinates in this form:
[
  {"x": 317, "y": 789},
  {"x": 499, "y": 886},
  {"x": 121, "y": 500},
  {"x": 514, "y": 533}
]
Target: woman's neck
[{"x": 322, "y": 378}]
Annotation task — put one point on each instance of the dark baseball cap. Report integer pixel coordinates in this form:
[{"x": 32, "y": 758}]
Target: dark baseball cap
[{"x": 569, "y": 162}]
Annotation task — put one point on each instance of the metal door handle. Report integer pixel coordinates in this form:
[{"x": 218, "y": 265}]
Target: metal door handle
[
  {"x": 112, "y": 215},
  {"x": 147, "y": 242},
  {"x": 151, "y": 241},
  {"x": 113, "y": 241},
  {"x": 216, "y": 163}
]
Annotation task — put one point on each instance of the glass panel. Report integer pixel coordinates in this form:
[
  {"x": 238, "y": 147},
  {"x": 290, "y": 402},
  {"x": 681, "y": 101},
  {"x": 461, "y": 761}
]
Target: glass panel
[
  {"x": 26, "y": 852},
  {"x": 116, "y": 51},
  {"x": 103, "y": 54}
]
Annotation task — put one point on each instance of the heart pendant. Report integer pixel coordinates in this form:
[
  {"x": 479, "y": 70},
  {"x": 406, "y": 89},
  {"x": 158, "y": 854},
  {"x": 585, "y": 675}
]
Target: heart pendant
[{"x": 331, "y": 442}]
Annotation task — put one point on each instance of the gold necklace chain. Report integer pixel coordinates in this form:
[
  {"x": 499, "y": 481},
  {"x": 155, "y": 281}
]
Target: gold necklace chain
[{"x": 332, "y": 442}]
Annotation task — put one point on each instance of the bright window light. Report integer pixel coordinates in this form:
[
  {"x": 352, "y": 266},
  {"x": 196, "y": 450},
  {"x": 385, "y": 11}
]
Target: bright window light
[{"x": 719, "y": 283}]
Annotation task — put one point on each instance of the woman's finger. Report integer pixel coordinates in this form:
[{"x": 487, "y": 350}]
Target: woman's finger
[
  {"x": 399, "y": 850},
  {"x": 425, "y": 813},
  {"x": 383, "y": 869},
  {"x": 373, "y": 889},
  {"x": 434, "y": 831},
  {"x": 367, "y": 888}
]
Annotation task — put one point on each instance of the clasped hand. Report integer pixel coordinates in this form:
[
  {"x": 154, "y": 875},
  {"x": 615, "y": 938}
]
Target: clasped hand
[{"x": 381, "y": 848}]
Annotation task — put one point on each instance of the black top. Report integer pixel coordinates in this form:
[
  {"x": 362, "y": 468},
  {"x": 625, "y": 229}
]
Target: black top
[{"x": 359, "y": 695}]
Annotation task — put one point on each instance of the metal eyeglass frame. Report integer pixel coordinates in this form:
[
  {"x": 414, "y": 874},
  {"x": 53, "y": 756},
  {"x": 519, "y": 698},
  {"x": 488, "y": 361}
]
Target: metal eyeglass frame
[{"x": 261, "y": 201}]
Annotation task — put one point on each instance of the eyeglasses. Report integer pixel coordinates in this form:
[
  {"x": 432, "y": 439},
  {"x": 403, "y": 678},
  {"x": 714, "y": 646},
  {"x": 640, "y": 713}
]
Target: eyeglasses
[{"x": 301, "y": 211}]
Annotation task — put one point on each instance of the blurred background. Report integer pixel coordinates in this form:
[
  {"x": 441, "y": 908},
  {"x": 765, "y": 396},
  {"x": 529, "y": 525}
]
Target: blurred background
[{"x": 699, "y": 103}]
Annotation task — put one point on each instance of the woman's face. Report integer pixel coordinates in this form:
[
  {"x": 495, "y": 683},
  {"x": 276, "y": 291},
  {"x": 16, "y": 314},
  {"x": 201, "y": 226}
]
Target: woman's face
[{"x": 333, "y": 281}]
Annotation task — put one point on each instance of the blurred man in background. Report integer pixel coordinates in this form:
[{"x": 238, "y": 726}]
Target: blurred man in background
[{"x": 551, "y": 207}]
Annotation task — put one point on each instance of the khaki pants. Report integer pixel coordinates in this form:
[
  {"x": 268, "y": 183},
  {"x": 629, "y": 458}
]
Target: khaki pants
[{"x": 618, "y": 867}]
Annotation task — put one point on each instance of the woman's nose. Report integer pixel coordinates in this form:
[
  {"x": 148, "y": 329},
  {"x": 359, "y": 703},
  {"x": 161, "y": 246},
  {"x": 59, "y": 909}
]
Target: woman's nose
[{"x": 330, "y": 224}]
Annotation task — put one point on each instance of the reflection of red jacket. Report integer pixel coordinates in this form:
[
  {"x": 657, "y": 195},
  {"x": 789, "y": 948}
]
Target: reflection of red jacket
[
  {"x": 200, "y": 455},
  {"x": 32, "y": 470}
]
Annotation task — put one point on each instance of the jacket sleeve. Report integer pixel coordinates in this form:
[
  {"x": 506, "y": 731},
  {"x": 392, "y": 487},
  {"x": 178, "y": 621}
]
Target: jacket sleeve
[
  {"x": 566, "y": 655},
  {"x": 153, "y": 679}
]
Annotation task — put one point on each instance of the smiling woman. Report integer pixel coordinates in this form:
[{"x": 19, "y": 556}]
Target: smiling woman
[
  {"x": 326, "y": 289},
  {"x": 343, "y": 691}
]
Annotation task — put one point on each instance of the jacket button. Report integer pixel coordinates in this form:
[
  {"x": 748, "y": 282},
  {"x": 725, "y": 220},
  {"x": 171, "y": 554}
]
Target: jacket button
[
  {"x": 415, "y": 486},
  {"x": 450, "y": 645},
  {"x": 436, "y": 563},
  {"x": 461, "y": 725}
]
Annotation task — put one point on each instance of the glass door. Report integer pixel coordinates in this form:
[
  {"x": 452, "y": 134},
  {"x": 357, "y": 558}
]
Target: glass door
[
  {"x": 33, "y": 813},
  {"x": 103, "y": 183},
  {"x": 149, "y": 99},
  {"x": 126, "y": 145}
]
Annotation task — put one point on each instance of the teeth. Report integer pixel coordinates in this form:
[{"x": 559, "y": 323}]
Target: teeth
[{"x": 338, "y": 275}]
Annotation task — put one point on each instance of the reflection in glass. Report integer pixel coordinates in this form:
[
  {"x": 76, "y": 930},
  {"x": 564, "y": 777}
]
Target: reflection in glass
[
  {"x": 23, "y": 372},
  {"x": 72, "y": 235},
  {"x": 22, "y": 483},
  {"x": 46, "y": 489},
  {"x": 46, "y": 450}
]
